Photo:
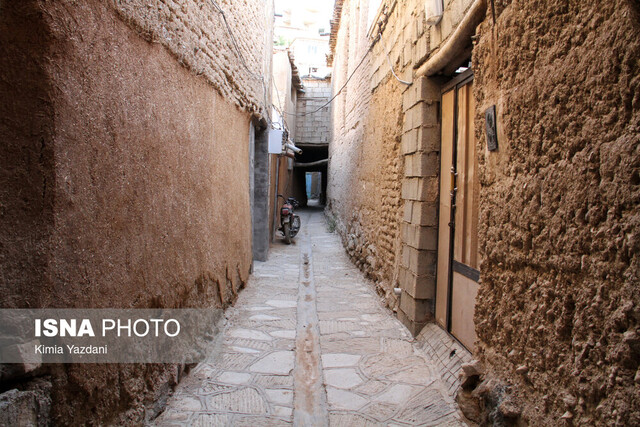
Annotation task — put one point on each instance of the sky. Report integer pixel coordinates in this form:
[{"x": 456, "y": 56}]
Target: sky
[{"x": 323, "y": 7}]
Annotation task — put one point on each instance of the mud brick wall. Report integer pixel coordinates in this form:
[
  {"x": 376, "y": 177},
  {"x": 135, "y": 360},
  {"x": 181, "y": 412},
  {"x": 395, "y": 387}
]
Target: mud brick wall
[
  {"x": 365, "y": 165},
  {"x": 194, "y": 32},
  {"x": 127, "y": 175},
  {"x": 560, "y": 207},
  {"x": 384, "y": 154}
]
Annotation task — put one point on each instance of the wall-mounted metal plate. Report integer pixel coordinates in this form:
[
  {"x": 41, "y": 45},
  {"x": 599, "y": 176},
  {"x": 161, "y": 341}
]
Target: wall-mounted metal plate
[{"x": 492, "y": 132}]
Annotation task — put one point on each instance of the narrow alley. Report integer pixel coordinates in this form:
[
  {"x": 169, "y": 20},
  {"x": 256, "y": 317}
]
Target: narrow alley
[
  {"x": 475, "y": 261},
  {"x": 309, "y": 342}
]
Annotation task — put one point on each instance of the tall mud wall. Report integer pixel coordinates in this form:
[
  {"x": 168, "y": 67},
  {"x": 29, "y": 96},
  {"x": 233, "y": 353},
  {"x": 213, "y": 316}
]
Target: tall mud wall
[
  {"x": 366, "y": 165},
  {"x": 365, "y": 184},
  {"x": 127, "y": 186},
  {"x": 558, "y": 308},
  {"x": 26, "y": 153},
  {"x": 196, "y": 35}
]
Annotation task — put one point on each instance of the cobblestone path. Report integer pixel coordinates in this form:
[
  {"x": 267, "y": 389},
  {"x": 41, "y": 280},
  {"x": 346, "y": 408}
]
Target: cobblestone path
[{"x": 309, "y": 343}]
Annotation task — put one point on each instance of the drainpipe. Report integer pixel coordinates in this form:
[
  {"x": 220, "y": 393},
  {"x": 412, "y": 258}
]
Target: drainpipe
[
  {"x": 456, "y": 42},
  {"x": 293, "y": 148}
]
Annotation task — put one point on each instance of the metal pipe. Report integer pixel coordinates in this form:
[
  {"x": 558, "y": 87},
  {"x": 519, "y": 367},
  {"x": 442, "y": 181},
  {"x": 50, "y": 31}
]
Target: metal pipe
[
  {"x": 457, "y": 42},
  {"x": 293, "y": 148},
  {"x": 322, "y": 162}
]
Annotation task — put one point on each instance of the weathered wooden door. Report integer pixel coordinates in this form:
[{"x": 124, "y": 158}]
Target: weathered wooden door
[{"x": 457, "y": 271}]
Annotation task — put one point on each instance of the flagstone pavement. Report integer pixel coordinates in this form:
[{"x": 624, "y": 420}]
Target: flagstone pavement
[{"x": 309, "y": 343}]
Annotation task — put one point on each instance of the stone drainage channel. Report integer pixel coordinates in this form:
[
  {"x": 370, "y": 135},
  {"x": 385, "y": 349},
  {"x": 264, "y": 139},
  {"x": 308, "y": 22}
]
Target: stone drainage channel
[
  {"x": 310, "y": 400},
  {"x": 308, "y": 343}
]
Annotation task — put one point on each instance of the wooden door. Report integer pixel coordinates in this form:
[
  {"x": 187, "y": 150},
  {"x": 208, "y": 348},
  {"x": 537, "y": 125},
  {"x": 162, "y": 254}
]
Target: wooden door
[{"x": 457, "y": 271}]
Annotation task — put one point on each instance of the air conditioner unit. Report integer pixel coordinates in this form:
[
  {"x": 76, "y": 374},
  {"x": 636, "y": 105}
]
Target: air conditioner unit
[{"x": 433, "y": 11}]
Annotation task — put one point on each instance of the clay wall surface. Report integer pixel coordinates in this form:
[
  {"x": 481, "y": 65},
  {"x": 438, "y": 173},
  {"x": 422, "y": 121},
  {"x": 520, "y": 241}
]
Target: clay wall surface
[
  {"x": 196, "y": 36},
  {"x": 26, "y": 154},
  {"x": 128, "y": 176},
  {"x": 364, "y": 165},
  {"x": 557, "y": 311},
  {"x": 558, "y": 308}
]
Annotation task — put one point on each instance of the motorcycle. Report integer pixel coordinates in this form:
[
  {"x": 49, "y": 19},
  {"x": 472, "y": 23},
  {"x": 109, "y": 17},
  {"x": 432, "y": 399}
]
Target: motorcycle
[{"x": 289, "y": 222}]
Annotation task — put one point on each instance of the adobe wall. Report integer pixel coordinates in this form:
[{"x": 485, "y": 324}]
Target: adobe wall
[
  {"x": 26, "y": 154},
  {"x": 365, "y": 166},
  {"x": 383, "y": 167},
  {"x": 558, "y": 309},
  {"x": 128, "y": 179},
  {"x": 195, "y": 34}
]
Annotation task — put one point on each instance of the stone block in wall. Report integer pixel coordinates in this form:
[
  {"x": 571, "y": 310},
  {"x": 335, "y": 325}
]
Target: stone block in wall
[
  {"x": 419, "y": 237},
  {"x": 410, "y": 97},
  {"x": 408, "y": 210},
  {"x": 412, "y": 326},
  {"x": 26, "y": 407},
  {"x": 420, "y": 114},
  {"x": 29, "y": 362},
  {"x": 429, "y": 138},
  {"x": 423, "y": 138},
  {"x": 407, "y": 53},
  {"x": 423, "y": 89},
  {"x": 420, "y": 51},
  {"x": 420, "y": 189},
  {"x": 407, "y": 29},
  {"x": 429, "y": 89},
  {"x": 424, "y": 213},
  {"x": 417, "y": 310},
  {"x": 419, "y": 262},
  {"x": 421, "y": 23},
  {"x": 421, "y": 164},
  {"x": 421, "y": 286}
]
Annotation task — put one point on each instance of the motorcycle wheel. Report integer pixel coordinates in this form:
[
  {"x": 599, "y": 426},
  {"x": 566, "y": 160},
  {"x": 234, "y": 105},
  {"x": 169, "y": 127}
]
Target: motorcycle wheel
[
  {"x": 295, "y": 227},
  {"x": 287, "y": 233}
]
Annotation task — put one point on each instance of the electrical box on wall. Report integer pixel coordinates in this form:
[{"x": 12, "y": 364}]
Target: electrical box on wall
[
  {"x": 275, "y": 141},
  {"x": 433, "y": 10}
]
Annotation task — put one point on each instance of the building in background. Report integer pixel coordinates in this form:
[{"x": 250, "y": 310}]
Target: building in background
[
  {"x": 302, "y": 30},
  {"x": 287, "y": 87},
  {"x": 313, "y": 132}
]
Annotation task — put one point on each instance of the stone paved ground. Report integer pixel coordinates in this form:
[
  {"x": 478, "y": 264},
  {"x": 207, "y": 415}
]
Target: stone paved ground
[{"x": 309, "y": 343}]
